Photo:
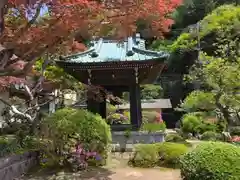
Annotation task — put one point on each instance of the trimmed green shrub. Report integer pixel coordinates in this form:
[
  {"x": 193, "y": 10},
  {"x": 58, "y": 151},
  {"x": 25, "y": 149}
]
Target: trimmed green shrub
[
  {"x": 170, "y": 153},
  {"x": 153, "y": 127},
  {"x": 162, "y": 154},
  {"x": 145, "y": 155},
  {"x": 210, "y": 136},
  {"x": 190, "y": 123},
  {"x": 174, "y": 138},
  {"x": 177, "y": 139},
  {"x": 211, "y": 161},
  {"x": 195, "y": 124},
  {"x": 68, "y": 128},
  {"x": 206, "y": 127},
  {"x": 235, "y": 131}
]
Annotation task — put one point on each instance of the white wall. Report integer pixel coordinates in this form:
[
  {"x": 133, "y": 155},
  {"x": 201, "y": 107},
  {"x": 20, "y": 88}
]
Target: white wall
[{"x": 70, "y": 98}]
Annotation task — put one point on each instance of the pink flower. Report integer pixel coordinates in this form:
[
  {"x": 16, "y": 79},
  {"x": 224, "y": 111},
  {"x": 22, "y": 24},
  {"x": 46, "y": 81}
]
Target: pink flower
[
  {"x": 94, "y": 153},
  {"x": 79, "y": 150},
  {"x": 235, "y": 139}
]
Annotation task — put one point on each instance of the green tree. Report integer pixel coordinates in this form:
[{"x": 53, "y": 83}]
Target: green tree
[
  {"x": 198, "y": 101},
  {"x": 192, "y": 11},
  {"x": 222, "y": 77},
  {"x": 151, "y": 91},
  {"x": 217, "y": 69}
]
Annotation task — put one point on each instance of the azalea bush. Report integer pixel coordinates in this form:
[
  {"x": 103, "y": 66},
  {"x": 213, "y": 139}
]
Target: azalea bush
[
  {"x": 235, "y": 140},
  {"x": 75, "y": 138},
  {"x": 79, "y": 158}
]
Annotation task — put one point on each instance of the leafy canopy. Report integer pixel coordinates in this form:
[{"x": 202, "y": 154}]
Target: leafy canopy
[
  {"x": 151, "y": 91},
  {"x": 197, "y": 101},
  {"x": 223, "y": 21}
]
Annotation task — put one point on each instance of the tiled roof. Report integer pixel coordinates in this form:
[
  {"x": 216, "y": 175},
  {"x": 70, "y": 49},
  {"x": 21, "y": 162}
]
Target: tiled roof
[
  {"x": 102, "y": 50},
  {"x": 151, "y": 104}
]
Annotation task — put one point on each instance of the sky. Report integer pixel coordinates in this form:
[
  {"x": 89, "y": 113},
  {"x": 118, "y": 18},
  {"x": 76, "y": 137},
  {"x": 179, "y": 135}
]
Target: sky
[{"x": 44, "y": 10}]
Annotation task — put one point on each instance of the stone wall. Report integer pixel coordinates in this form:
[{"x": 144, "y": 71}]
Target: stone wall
[
  {"x": 4, "y": 96},
  {"x": 119, "y": 139},
  {"x": 14, "y": 166}
]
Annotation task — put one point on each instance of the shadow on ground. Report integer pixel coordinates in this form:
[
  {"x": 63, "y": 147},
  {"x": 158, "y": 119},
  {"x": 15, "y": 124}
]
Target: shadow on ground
[
  {"x": 90, "y": 174},
  {"x": 117, "y": 169}
]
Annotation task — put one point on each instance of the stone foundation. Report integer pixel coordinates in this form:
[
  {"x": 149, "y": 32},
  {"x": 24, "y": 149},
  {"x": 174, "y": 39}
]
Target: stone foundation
[
  {"x": 14, "y": 166},
  {"x": 121, "y": 141}
]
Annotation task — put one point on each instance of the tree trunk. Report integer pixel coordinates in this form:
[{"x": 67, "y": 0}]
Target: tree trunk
[
  {"x": 3, "y": 8},
  {"x": 224, "y": 110}
]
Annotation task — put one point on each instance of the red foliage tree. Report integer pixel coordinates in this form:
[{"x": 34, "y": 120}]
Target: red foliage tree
[
  {"x": 30, "y": 28},
  {"x": 28, "y": 34}
]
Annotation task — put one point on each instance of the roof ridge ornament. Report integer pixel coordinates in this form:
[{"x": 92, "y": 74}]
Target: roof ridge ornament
[
  {"x": 130, "y": 51},
  {"x": 138, "y": 38},
  {"x": 96, "y": 52}
]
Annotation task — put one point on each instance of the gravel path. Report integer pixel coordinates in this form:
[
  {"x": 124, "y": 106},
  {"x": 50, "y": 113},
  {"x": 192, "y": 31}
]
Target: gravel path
[
  {"x": 116, "y": 170},
  {"x": 111, "y": 174},
  {"x": 144, "y": 174}
]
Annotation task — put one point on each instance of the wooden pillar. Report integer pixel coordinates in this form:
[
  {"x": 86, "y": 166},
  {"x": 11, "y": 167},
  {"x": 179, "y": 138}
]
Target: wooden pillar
[
  {"x": 135, "y": 106},
  {"x": 97, "y": 106},
  {"x": 93, "y": 105},
  {"x": 117, "y": 93},
  {"x": 103, "y": 106}
]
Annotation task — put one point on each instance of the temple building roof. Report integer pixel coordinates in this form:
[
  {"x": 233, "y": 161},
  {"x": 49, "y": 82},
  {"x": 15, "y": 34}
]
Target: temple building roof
[{"x": 103, "y": 50}]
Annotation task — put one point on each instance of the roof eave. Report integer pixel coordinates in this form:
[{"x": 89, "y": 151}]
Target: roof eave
[{"x": 160, "y": 54}]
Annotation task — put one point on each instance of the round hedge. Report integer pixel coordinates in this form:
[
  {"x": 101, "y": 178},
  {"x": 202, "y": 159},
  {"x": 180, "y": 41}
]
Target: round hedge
[
  {"x": 170, "y": 153},
  {"x": 211, "y": 161},
  {"x": 70, "y": 126},
  {"x": 163, "y": 154},
  {"x": 174, "y": 138},
  {"x": 209, "y": 136},
  {"x": 145, "y": 155}
]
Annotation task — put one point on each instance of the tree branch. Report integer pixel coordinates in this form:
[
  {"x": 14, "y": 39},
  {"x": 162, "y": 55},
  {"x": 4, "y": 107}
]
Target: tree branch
[
  {"x": 6, "y": 54},
  {"x": 15, "y": 112},
  {"x": 3, "y": 4},
  {"x": 41, "y": 78},
  {"x": 31, "y": 62},
  {"x": 27, "y": 25},
  {"x": 27, "y": 89}
]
